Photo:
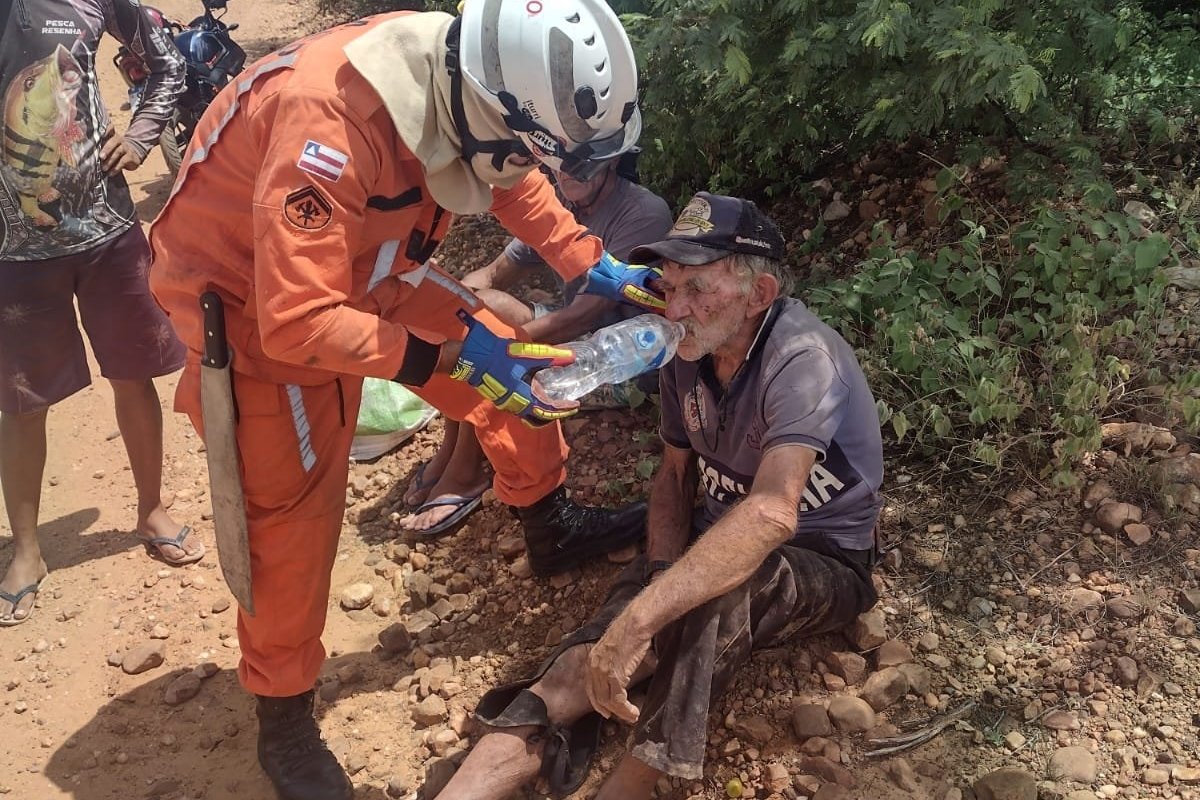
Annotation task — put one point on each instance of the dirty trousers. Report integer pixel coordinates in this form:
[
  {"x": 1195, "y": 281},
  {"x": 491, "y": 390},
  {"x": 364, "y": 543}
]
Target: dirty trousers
[
  {"x": 294, "y": 445},
  {"x": 798, "y": 591}
]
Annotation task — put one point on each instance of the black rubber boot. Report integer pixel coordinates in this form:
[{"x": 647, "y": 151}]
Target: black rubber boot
[
  {"x": 292, "y": 753},
  {"x": 561, "y": 534}
]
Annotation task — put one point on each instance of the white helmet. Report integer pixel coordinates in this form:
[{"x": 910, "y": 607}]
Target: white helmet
[{"x": 561, "y": 72}]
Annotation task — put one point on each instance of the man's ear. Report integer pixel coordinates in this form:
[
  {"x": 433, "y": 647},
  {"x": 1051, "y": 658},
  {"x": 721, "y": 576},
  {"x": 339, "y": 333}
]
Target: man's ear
[{"x": 763, "y": 292}]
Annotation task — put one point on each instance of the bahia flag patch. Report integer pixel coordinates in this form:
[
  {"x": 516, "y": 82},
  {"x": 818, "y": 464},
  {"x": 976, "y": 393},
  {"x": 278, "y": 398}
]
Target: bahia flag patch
[{"x": 322, "y": 160}]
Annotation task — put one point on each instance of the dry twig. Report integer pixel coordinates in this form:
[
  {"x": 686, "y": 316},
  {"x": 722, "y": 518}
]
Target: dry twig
[{"x": 896, "y": 744}]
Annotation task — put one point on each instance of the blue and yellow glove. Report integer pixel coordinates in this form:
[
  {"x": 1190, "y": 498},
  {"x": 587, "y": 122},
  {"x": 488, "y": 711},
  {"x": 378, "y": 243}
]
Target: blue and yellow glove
[
  {"x": 500, "y": 370},
  {"x": 625, "y": 283}
]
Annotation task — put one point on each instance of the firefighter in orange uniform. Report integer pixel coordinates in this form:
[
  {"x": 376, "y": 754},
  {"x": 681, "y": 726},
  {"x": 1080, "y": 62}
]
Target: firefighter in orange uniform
[{"x": 313, "y": 193}]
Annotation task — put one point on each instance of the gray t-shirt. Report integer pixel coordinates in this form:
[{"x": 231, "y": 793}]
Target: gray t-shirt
[
  {"x": 631, "y": 216},
  {"x": 800, "y": 384}
]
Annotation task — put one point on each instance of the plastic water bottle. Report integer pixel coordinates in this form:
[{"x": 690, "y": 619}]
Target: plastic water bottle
[{"x": 611, "y": 355}]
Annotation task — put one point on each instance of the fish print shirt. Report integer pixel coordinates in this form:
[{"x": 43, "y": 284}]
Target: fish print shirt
[{"x": 55, "y": 199}]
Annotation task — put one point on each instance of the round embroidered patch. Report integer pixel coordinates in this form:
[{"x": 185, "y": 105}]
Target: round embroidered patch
[{"x": 307, "y": 209}]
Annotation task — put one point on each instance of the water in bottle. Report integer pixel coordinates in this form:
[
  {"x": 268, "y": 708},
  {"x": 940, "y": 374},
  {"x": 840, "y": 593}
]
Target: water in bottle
[{"x": 611, "y": 355}]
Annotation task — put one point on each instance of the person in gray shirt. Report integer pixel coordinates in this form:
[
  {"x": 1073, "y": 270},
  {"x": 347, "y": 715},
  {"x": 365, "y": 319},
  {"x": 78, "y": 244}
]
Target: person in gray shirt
[
  {"x": 614, "y": 207},
  {"x": 766, "y": 411},
  {"x": 623, "y": 214}
]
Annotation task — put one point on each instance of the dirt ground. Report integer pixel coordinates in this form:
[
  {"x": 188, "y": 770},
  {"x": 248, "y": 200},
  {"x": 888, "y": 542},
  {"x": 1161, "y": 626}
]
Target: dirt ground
[{"x": 1072, "y": 630}]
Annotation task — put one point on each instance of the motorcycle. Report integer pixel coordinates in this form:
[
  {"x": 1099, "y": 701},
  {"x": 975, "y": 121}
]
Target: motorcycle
[{"x": 212, "y": 58}]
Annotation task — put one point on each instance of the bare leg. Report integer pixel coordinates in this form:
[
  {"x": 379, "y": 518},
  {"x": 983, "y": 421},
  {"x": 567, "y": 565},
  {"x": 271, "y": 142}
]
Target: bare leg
[
  {"x": 140, "y": 419},
  {"x": 418, "y": 490},
  {"x": 22, "y": 462},
  {"x": 631, "y": 780},
  {"x": 503, "y": 761}
]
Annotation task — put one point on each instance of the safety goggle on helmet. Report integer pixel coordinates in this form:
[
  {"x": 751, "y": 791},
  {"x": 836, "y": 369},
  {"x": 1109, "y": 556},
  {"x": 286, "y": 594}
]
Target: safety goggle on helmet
[{"x": 561, "y": 72}]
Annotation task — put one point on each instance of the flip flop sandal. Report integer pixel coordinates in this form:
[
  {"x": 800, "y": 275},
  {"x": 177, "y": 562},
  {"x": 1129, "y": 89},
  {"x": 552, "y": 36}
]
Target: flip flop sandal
[
  {"x": 418, "y": 484},
  {"x": 464, "y": 505},
  {"x": 155, "y": 545},
  {"x": 33, "y": 589}
]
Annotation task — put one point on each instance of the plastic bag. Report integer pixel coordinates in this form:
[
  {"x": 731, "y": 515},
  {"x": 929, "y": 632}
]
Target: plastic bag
[{"x": 389, "y": 414}]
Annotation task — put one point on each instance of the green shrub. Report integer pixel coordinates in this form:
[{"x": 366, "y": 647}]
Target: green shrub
[
  {"x": 1019, "y": 338},
  {"x": 746, "y": 96}
]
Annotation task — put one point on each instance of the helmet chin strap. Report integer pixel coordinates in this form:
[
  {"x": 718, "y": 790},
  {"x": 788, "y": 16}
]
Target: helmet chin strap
[{"x": 499, "y": 149}]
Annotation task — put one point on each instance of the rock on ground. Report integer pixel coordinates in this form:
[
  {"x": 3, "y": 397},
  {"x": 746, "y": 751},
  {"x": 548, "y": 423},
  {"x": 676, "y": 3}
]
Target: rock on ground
[
  {"x": 869, "y": 630},
  {"x": 756, "y": 729},
  {"x": 851, "y": 714},
  {"x": 884, "y": 688},
  {"x": 778, "y": 777},
  {"x": 395, "y": 639},
  {"x": 902, "y": 774},
  {"x": 143, "y": 657},
  {"x": 430, "y": 711},
  {"x": 182, "y": 689},
  {"x": 1072, "y": 763},
  {"x": 1111, "y": 517},
  {"x": 850, "y": 667},
  {"x": 1009, "y": 783},
  {"x": 893, "y": 653},
  {"x": 1080, "y": 600},
  {"x": 831, "y": 791},
  {"x": 809, "y": 719},
  {"x": 357, "y": 596}
]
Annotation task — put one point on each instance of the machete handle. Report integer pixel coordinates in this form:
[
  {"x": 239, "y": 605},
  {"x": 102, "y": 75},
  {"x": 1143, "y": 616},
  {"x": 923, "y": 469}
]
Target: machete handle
[{"x": 216, "y": 347}]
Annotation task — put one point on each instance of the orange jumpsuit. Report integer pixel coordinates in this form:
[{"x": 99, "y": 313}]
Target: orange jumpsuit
[{"x": 318, "y": 253}]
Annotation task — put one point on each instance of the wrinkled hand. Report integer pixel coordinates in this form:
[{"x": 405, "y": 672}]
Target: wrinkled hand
[
  {"x": 500, "y": 369},
  {"x": 117, "y": 154},
  {"x": 625, "y": 283},
  {"x": 610, "y": 666}
]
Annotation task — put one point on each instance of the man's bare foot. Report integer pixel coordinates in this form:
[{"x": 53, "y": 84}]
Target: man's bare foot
[
  {"x": 159, "y": 525},
  {"x": 497, "y": 766},
  {"x": 428, "y": 475},
  {"x": 455, "y": 493},
  {"x": 26, "y": 569}
]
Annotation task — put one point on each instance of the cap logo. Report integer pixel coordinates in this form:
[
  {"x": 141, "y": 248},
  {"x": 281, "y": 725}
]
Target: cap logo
[
  {"x": 755, "y": 242},
  {"x": 694, "y": 220}
]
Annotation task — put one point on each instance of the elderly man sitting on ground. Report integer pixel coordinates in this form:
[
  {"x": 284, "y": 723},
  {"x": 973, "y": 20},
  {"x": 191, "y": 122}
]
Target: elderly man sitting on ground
[{"x": 766, "y": 411}]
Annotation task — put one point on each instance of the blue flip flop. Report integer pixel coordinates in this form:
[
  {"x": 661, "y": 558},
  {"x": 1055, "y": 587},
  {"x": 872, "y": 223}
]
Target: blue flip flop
[
  {"x": 154, "y": 548},
  {"x": 464, "y": 505},
  {"x": 418, "y": 483},
  {"x": 33, "y": 589}
]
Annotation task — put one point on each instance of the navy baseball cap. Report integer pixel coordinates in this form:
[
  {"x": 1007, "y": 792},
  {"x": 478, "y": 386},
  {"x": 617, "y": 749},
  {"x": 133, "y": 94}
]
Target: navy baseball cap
[{"x": 711, "y": 227}]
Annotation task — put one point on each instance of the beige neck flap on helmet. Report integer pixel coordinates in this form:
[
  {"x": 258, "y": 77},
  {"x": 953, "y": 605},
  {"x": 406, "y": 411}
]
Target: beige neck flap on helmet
[{"x": 562, "y": 74}]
